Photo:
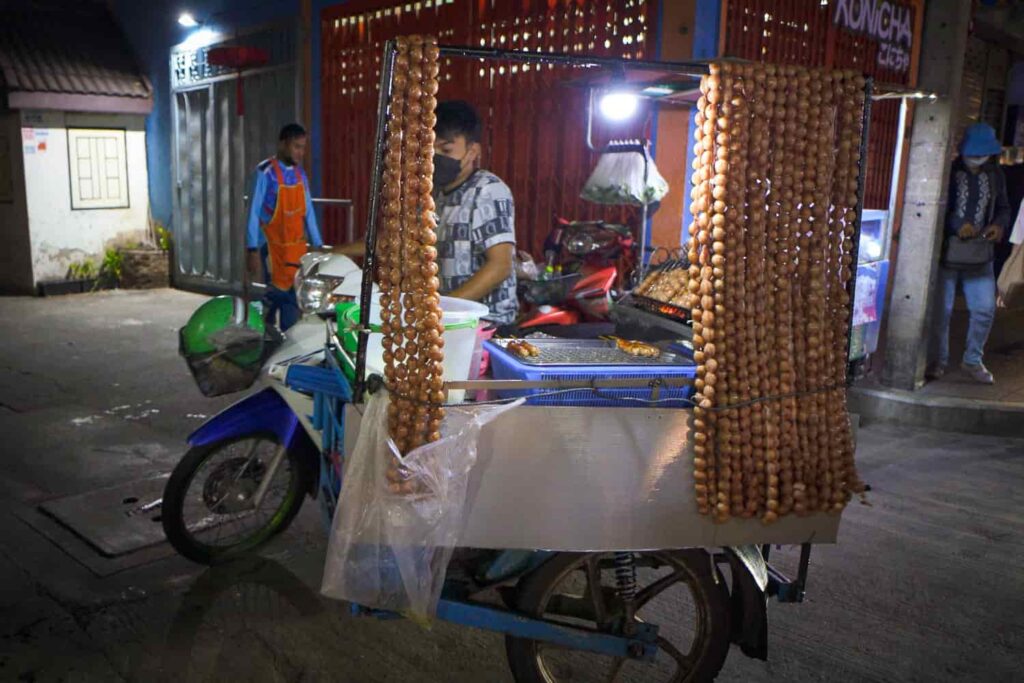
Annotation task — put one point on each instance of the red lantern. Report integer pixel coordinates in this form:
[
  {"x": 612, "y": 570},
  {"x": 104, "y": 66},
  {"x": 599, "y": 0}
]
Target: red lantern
[{"x": 238, "y": 57}]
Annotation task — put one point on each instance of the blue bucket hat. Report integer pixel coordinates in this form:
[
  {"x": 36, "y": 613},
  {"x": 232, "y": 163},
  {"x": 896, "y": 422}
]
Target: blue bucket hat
[{"x": 980, "y": 141}]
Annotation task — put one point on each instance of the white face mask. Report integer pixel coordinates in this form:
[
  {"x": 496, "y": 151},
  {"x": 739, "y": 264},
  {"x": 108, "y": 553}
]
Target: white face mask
[{"x": 975, "y": 162}]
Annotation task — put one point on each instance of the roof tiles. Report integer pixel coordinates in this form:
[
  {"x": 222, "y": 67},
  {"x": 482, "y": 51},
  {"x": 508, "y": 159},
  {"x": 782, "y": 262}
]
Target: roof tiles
[{"x": 60, "y": 46}]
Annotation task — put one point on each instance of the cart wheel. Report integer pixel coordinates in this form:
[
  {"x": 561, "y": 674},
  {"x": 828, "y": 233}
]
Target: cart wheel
[
  {"x": 676, "y": 591},
  {"x": 207, "y": 512}
]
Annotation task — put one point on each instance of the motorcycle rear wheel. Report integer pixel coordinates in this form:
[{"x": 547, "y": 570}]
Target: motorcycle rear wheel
[
  {"x": 678, "y": 591},
  {"x": 208, "y": 491}
]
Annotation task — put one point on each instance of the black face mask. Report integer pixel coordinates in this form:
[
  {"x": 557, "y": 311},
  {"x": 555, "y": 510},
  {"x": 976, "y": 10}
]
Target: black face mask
[{"x": 446, "y": 170}]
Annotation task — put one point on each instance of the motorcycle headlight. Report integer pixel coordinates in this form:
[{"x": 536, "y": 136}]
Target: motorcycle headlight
[
  {"x": 314, "y": 292},
  {"x": 580, "y": 244},
  {"x": 310, "y": 293}
]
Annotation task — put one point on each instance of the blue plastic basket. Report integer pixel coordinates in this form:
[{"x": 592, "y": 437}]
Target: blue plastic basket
[{"x": 506, "y": 366}]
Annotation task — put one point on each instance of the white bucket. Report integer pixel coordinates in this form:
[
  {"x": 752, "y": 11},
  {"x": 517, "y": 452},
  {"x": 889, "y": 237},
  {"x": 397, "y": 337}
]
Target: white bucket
[{"x": 461, "y": 318}]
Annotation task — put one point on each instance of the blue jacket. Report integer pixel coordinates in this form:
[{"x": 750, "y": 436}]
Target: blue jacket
[{"x": 977, "y": 198}]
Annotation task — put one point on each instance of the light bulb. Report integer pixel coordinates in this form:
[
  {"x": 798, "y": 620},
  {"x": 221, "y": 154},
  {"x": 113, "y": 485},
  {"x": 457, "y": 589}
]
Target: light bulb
[
  {"x": 187, "y": 20},
  {"x": 619, "y": 106}
]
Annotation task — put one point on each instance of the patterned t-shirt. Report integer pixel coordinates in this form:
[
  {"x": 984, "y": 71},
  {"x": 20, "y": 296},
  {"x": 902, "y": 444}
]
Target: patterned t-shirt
[
  {"x": 977, "y": 198},
  {"x": 471, "y": 219}
]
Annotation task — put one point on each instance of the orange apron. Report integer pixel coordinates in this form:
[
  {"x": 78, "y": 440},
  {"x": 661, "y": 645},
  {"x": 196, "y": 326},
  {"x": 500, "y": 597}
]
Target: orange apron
[{"x": 286, "y": 231}]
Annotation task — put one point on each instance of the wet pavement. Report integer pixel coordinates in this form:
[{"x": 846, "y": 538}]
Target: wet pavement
[{"x": 926, "y": 583}]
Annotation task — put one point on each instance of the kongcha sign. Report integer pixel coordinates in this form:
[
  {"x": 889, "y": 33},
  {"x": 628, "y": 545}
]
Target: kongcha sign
[{"x": 889, "y": 23}]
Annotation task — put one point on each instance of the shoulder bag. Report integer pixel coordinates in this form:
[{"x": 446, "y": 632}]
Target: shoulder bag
[{"x": 967, "y": 254}]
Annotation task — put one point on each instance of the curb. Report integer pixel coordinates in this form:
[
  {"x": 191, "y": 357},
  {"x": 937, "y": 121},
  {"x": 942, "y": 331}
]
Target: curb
[{"x": 942, "y": 413}]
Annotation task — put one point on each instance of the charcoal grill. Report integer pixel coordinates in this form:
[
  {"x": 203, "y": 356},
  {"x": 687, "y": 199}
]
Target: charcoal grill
[{"x": 638, "y": 317}]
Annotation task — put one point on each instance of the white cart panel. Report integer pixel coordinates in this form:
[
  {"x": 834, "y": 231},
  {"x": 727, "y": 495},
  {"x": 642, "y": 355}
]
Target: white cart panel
[{"x": 592, "y": 479}]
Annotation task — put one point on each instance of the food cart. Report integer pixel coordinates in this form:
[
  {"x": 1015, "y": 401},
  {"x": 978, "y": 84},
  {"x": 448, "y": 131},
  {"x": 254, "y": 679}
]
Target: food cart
[
  {"x": 577, "y": 493},
  {"x": 597, "y": 466}
]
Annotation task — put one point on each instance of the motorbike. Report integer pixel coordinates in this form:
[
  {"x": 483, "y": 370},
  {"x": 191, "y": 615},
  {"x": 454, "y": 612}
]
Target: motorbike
[
  {"x": 249, "y": 469},
  {"x": 260, "y": 453},
  {"x": 594, "y": 259}
]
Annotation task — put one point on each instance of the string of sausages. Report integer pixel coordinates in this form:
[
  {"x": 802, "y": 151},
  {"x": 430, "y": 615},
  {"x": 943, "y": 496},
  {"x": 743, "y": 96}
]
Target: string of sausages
[
  {"x": 775, "y": 181},
  {"x": 410, "y": 305}
]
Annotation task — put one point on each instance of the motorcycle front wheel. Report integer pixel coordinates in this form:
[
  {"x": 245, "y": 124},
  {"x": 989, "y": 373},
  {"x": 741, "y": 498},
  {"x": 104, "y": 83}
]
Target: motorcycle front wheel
[{"x": 228, "y": 498}]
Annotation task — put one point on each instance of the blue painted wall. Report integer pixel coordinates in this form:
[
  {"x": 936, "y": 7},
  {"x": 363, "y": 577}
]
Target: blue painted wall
[
  {"x": 705, "y": 46},
  {"x": 316, "y": 125},
  {"x": 152, "y": 28}
]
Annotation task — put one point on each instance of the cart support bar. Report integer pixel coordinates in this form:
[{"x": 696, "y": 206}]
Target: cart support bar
[
  {"x": 595, "y": 383},
  {"x": 387, "y": 68},
  {"x": 694, "y": 69},
  {"x": 642, "y": 646},
  {"x": 786, "y": 589}
]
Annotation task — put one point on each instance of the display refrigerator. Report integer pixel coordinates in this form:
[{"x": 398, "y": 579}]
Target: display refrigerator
[{"x": 872, "y": 279}]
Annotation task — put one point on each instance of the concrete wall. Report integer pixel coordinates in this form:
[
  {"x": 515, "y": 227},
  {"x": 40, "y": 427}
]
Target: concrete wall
[
  {"x": 943, "y": 48},
  {"x": 59, "y": 234},
  {"x": 15, "y": 259}
]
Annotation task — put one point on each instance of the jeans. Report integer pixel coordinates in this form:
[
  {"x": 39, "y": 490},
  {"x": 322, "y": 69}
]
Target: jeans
[
  {"x": 283, "y": 304},
  {"x": 979, "y": 287}
]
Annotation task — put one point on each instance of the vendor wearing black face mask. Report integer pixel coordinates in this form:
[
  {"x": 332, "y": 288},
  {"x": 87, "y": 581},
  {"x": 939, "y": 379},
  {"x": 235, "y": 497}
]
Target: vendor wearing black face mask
[{"x": 475, "y": 217}]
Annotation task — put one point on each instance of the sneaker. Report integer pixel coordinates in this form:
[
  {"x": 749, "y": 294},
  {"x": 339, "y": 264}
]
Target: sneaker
[
  {"x": 935, "y": 371},
  {"x": 979, "y": 373}
]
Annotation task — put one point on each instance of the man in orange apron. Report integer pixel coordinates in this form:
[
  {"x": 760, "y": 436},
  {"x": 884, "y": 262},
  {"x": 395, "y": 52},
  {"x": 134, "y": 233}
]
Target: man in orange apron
[{"x": 281, "y": 224}]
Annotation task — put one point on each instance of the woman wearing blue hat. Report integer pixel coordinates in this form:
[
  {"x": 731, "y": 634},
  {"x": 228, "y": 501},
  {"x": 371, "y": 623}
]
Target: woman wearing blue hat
[{"x": 977, "y": 216}]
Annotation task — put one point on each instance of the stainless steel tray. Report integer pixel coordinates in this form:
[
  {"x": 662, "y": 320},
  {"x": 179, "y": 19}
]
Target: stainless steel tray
[{"x": 588, "y": 352}]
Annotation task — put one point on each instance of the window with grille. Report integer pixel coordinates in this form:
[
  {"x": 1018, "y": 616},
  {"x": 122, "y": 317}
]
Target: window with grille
[{"x": 98, "y": 164}]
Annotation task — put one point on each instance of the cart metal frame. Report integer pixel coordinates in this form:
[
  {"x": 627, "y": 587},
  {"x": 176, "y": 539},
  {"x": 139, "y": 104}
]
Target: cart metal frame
[
  {"x": 331, "y": 391},
  {"x": 387, "y": 72},
  {"x": 693, "y": 69},
  {"x": 751, "y": 634}
]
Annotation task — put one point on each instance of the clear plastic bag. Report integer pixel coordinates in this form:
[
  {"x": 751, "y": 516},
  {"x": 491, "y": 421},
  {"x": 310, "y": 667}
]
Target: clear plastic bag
[
  {"x": 391, "y": 551},
  {"x": 618, "y": 178}
]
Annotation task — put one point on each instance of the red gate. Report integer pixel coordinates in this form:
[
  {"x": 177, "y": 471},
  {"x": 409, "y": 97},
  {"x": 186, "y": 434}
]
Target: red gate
[
  {"x": 535, "y": 123},
  {"x": 802, "y": 32}
]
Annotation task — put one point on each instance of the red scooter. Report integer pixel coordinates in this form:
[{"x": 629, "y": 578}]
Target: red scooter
[{"x": 594, "y": 259}]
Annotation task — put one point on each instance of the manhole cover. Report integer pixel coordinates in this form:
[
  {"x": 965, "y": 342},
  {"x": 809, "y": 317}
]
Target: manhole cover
[{"x": 115, "y": 520}]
